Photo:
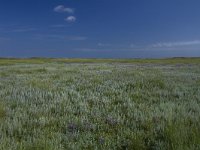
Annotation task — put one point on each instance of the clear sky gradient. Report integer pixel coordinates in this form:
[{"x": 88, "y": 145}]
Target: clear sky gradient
[{"x": 100, "y": 28}]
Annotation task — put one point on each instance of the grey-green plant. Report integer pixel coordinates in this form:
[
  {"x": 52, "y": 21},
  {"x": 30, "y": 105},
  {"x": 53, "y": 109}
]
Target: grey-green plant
[{"x": 58, "y": 104}]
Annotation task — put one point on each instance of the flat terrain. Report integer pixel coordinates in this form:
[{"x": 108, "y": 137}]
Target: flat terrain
[{"x": 55, "y": 104}]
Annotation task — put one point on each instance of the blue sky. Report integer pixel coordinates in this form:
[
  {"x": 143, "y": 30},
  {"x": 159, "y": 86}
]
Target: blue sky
[{"x": 99, "y": 28}]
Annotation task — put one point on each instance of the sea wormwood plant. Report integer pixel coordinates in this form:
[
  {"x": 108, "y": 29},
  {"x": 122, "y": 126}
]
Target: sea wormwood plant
[{"x": 113, "y": 104}]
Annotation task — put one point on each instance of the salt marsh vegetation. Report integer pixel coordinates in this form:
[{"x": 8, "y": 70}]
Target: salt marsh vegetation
[{"x": 71, "y": 104}]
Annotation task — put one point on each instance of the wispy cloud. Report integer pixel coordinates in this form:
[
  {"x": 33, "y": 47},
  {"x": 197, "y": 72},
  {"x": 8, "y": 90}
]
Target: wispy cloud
[
  {"x": 17, "y": 29},
  {"x": 103, "y": 44},
  {"x": 76, "y": 38},
  {"x": 48, "y": 37},
  {"x": 133, "y": 45},
  {"x": 86, "y": 49},
  {"x": 165, "y": 46},
  {"x": 175, "y": 44},
  {"x": 62, "y": 9},
  {"x": 58, "y": 26},
  {"x": 24, "y": 30},
  {"x": 70, "y": 19},
  {"x": 59, "y": 37},
  {"x": 4, "y": 40}
]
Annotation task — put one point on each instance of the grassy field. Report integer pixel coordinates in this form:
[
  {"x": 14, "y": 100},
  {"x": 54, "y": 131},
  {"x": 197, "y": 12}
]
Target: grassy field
[{"x": 138, "y": 104}]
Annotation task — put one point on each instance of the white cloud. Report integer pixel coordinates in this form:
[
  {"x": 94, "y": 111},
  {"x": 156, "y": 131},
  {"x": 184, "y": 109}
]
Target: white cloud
[
  {"x": 58, "y": 26},
  {"x": 88, "y": 49},
  {"x": 133, "y": 45},
  {"x": 24, "y": 29},
  {"x": 4, "y": 39},
  {"x": 70, "y": 19},
  {"x": 17, "y": 29},
  {"x": 175, "y": 44},
  {"x": 103, "y": 44},
  {"x": 48, "y": 37},
  {"x": 76, "y": 38},
  {"x": 59, "y": 37},
  {"x": 62, "y": 9}
]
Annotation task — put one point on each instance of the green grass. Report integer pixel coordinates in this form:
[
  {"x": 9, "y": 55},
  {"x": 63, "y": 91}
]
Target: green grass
[{"x": 55, "y": 104}]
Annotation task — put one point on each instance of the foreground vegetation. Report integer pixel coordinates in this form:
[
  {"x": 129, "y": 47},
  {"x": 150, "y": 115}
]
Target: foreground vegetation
[{"x": 55, "y": 104}]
